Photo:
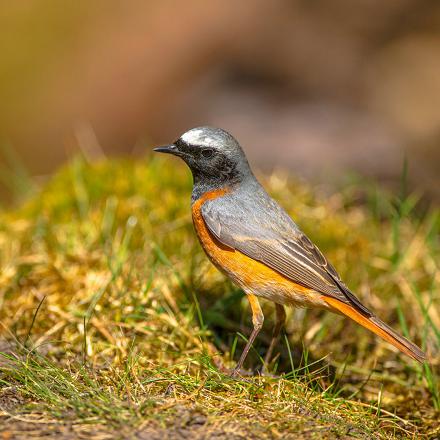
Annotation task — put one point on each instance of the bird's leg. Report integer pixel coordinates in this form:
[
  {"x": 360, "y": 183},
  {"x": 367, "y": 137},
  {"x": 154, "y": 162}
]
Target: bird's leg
[
  {"x": 257, "y": 321},
  {"x": 280, "y": 320}
]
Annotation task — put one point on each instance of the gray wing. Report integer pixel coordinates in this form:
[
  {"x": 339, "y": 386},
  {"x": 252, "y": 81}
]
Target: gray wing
[{"x": 258, "y": 227}]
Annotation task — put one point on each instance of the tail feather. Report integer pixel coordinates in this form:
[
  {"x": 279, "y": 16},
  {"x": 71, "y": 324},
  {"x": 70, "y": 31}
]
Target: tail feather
[{"x": 378, "y": 327}]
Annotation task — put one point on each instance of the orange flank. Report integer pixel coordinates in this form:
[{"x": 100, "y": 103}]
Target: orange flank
[
  {"x": 379, "y": 328},
  {"x": 251, "y": 275}
]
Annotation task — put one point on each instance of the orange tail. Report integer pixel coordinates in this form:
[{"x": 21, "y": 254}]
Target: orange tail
[{"x": 381, "y": 329}]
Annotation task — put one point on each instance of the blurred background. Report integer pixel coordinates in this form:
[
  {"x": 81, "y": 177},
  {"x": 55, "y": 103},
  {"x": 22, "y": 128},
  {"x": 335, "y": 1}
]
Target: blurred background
[{"x": 322, "y": 88}]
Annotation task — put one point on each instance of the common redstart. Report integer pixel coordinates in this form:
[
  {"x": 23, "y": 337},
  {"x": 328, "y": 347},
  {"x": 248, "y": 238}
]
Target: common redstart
[{"x": 252, "y": 240}]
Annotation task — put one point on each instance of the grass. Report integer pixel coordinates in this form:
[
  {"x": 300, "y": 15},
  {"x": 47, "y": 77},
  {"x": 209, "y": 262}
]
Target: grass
[{"x": 114, "y": 324}]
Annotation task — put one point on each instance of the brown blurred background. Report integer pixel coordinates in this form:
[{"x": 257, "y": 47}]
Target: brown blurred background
[{"x": 320, "y": 87}]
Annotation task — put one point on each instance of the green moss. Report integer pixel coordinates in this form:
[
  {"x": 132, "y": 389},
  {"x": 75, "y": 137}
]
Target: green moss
[{"x": 135, "y": 323}]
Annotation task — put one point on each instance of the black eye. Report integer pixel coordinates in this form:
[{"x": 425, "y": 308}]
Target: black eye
[{"x": 207, "y": 153}]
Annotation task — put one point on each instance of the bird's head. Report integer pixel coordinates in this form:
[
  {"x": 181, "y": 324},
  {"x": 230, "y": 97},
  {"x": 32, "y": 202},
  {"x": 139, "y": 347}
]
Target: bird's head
[{"x": 211, "y": 153}]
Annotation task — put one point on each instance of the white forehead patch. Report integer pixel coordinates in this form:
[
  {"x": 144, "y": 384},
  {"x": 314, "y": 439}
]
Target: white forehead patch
[{"x": 192, "y": 136}]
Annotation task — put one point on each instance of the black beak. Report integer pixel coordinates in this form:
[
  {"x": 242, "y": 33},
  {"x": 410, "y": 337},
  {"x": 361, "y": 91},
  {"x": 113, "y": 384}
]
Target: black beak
[{"x": 169, "y": 149}]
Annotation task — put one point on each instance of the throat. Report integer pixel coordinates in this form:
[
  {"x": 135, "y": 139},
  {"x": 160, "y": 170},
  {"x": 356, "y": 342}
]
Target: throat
[{"x": 206, "y": 183}]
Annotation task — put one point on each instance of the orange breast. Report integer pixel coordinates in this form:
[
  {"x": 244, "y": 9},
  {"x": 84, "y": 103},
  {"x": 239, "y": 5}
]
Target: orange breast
[{"x": 251, "y": 275}]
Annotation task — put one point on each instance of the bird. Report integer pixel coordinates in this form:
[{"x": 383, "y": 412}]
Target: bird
[{"x": 249, "y": 237}]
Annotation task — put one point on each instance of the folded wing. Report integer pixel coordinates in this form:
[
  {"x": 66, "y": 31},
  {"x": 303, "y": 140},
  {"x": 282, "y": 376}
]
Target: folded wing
[{"x": 277, "y": 242}]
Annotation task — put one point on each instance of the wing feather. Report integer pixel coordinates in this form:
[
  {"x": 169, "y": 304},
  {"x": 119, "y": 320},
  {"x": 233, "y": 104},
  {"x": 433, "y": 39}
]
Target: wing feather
[{"x": 277, "y": 242}]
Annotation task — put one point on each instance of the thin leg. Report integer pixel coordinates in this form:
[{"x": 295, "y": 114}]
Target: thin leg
[
  {"x": 257, "y": 321},
  {"x": 279, "y": 325}
]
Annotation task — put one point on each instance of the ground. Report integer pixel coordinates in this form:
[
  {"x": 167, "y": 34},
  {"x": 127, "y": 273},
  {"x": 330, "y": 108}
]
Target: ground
[{"x": 115, "y": 325}]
